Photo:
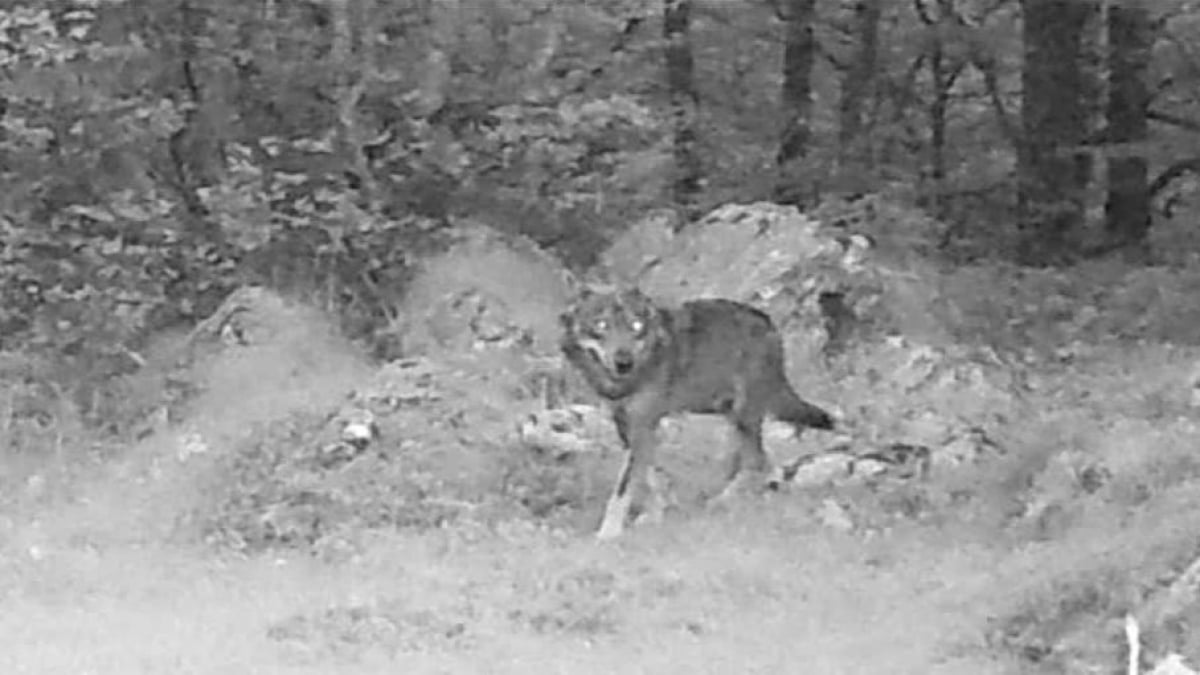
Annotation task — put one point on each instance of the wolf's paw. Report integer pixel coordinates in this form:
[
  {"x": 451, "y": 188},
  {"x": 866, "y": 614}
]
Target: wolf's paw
[
  {"x": 660, "y": 497},
  {"x": 653, "y": 514},
  {"x": 609, "y": 531},
  {"x": 615, "y": 515}
]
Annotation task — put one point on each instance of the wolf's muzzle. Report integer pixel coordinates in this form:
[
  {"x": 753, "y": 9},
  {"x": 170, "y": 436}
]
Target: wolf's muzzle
[{"x": 623, "y": 362}]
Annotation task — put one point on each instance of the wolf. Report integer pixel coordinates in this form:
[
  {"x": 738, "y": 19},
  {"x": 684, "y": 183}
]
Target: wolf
[{"x": 707, "y": 356}]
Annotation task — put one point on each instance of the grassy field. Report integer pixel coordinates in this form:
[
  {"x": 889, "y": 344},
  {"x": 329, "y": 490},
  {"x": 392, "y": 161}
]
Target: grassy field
[{"x": 758, "y": 588}]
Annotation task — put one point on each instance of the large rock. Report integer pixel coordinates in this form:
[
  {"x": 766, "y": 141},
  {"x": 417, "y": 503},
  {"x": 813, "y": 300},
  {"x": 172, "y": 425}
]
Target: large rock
[
  {"x": 849, "y": 272},
  {"x": 745, "y": 252}
]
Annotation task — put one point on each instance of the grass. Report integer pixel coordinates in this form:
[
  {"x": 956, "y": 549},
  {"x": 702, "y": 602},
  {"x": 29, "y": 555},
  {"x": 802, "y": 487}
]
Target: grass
[{"x": 707, "y": 595}]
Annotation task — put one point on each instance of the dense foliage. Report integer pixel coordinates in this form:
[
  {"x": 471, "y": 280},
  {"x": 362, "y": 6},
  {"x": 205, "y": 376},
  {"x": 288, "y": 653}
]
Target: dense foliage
[{"x": 160, "y": 152}]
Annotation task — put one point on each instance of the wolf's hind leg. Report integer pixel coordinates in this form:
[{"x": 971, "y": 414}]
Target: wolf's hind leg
[
  {"x": 749, "y": 465},
  {"x": 659, "y": 497}
]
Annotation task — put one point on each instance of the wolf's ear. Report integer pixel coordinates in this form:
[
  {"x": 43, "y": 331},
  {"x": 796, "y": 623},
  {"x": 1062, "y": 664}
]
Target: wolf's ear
[{"x": 632, "y": 296}]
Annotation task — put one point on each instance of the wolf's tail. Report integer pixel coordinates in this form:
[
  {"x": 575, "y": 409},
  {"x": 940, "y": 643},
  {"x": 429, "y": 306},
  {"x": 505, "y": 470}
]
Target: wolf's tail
[{"x": 789, "y": 407}]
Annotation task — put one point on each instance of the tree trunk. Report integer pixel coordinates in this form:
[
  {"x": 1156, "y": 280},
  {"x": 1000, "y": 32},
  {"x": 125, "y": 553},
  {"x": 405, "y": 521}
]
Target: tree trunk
[
  {"x": 681, "y": 86},
  {"x": 196, "y": 157},
  {"x": 799, "y": 54},
  {"x": 1052, "y": 171},
  {"x": 856, "y": 86},
  {"x": 1127, "y": 209},
  {"x": 350, "y": 45},
  {"x": 943, "y": 71}
]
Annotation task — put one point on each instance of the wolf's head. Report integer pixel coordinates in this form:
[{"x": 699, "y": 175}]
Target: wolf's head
[{"x": 613, "y": 336}]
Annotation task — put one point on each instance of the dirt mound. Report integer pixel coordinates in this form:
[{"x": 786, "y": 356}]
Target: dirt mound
[
  {"x": 259, "y": 359},
  {"x": 420, "y": 444},
  {"x": 489, "y": 289}
]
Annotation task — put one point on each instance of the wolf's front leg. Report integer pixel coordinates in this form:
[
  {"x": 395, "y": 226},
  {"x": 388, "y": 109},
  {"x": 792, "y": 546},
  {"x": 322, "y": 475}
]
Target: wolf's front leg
[{"x": 637, "y": 434}]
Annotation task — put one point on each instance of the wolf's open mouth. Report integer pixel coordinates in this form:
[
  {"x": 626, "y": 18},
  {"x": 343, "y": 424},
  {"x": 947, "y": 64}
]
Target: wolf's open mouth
[{"x": 623, "y": 364}]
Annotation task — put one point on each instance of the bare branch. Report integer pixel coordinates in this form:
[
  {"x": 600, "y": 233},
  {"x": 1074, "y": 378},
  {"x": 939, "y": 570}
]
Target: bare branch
[
  {"x": 1176, "y": 170},
  {"x": 992, "y": 82},
  {"x": 1174, "y": 120}
]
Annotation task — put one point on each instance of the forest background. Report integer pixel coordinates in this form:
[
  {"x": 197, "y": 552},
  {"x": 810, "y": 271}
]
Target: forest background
[{"x": 159, "y": 155}]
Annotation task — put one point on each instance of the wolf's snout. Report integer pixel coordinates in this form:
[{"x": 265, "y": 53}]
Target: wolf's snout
[{"x": 623, "y": 361}]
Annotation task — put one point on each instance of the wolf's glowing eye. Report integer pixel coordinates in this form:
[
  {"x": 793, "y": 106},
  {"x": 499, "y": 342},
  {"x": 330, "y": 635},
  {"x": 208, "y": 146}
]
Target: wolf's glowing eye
[
  {"x": 600, "y": 326},
  {"x": 638, "y": 326}
]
